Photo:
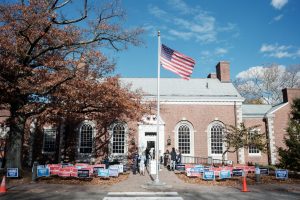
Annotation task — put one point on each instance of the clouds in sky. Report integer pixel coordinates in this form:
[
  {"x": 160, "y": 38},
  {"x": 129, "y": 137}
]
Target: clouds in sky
[
  {"x": 278, "y": 4},
  {"x": 279, "y": 51},
  {"x": 257, "y": 72},
  {"x": 189, "y": 23}
]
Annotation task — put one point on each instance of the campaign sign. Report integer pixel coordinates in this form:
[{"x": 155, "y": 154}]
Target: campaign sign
[
  {"x": 281, "y": 173},
  {"x": 209, "y": 175},
  {"x": 199, "y": 168},
  {"x": 121, "y": 168},
  {"x": 83, "y": 173},
  {"x": 224, "y": 174},
  {"x": 66, "y": 165},
  {"x": 103, "y": 172},
  {"x": 206, "y": 168},
  {"x": 237, "y": 172},
  {"x": 257, "y": 170},
  {"x": 96, "y": 169},
  {"x": 264, "y": 171},
  {"x": 12, "y": 172},
  {"x": 180, "y": 167},
  {"x": 113, "y": 172},
  {"x": 43, "y": 171},
  {"x": 194, "y": 172}
]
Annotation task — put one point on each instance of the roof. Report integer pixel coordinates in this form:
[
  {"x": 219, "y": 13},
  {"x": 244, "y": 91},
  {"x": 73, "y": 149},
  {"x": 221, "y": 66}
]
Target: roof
[
  {"x": 176, "y": 89},
  {"x": 276, "y": 107},
  {"x": 255, "y": 110}
]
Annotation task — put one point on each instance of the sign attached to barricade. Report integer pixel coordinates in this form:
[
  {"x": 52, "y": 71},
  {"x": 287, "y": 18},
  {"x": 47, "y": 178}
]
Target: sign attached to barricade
[
  {"x": 224, "y": 174},
  {"x": 114, "y": 172},
  {"x": 121, "y": 168},
  {"x": 193, "y": 172},
  {"x": 209, "y": 175},
  {"x": 103, "y": 172},
  {"x": 12, "y": 172},
  {"x": 66, "y": 165},
  {"x": 83, "y": 173},
  {"x": 237, "y": 172},
  {"x": 199, "y": 168},
  {"x": 180, "y": 167},
  {"x": 43, "y": 171},
  {"x": 281, "y": 174},
  {"x": 97, "y": 168},
  {"x": 264, "y": 171}
]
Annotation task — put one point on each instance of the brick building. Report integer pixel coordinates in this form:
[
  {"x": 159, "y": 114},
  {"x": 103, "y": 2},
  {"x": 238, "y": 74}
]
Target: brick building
[{"x": 193, "y": 115}]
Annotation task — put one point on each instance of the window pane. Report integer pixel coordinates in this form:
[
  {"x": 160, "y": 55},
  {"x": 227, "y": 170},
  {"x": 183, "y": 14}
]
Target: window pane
[
  {"x": 118, "y": 138},
  {"x": 49, "y": 140},
  {"x": 252, "y": 148},
  {"x": 184, "y": 139},
  {"x": 86, "y": 139},
  {"x": 216, "y": 139}
]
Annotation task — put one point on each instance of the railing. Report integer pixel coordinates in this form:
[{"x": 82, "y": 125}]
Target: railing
[{"x": 204, "y": 160}]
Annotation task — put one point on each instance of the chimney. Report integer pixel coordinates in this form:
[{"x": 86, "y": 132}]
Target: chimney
[
  {"x": 289, "y": 94},
  {"x": 212, "y": 75},
  {"x": 223, "y": 71}
]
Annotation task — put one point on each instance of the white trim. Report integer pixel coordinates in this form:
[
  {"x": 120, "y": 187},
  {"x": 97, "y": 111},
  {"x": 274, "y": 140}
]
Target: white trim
[
  {"x": 126, "y": 143},
  {"x": 279, "y": 107},
  {"x": 192, "y": 133},
  {"x": 254, "y": 154},
  {"x": 208, "y": 131},
  {"x": 93, "y": 125}
]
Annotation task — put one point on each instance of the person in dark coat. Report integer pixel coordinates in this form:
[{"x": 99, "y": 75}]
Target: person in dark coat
[{"x": 173, "y": 159}]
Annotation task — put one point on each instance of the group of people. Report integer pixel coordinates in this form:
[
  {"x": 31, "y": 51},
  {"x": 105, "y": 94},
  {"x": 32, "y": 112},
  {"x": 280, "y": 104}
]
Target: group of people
[
  {"x": 172, "y": 158},
  {"x": 141, "y": 161}
]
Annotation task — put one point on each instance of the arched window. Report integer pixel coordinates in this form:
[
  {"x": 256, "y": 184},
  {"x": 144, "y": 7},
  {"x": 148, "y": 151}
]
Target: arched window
[
  {"x": 184, "y": 139},
  {"x": 216, "y": 133},
  {"x": 86, "y": 138},
  {"x": 118, "y": 144}
]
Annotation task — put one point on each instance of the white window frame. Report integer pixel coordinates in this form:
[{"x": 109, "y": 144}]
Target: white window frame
[
  {"x": 192, "y": 132},
  {"x": 44, "y": 138},
  {"x": 90, "y": 123},
  {"x": 112, "y": 138},
  {"x": 214, "y": 155},
  {"x": 259, "y": 152}
]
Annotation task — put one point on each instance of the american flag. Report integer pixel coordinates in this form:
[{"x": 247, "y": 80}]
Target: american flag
[{"x": 176, "y": 62}]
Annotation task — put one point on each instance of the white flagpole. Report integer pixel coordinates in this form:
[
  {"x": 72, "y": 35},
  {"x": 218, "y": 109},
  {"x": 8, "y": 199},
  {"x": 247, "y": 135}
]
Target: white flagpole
[{"x": 158, "y": 107}]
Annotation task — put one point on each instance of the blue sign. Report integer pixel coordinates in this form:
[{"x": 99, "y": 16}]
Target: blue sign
[
  {"x": 281, "y": 173},
  {"x": 264, "y": 171},
  {"x": 83, "y": 173},
  {"x": 43, "y": 171},
  {"x": 224, "y": 174},
  {"x": 199, "y": 168},
  {"x": 103, "y": 172},
  {"x": 209, "y": 175},
  {"x": 12, "y": 172},
  {"x": 180, "y": 167},
  {"x": 237, "y": 172},
  {"x": 66, "y": 165}
]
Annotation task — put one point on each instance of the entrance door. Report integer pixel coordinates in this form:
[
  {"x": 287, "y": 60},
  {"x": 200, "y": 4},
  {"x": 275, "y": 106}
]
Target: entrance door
[{"x": 151, "y": 147}]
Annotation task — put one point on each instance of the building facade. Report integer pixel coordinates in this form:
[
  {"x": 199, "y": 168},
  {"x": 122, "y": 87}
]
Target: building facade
[{"x": 193, "y": 116}]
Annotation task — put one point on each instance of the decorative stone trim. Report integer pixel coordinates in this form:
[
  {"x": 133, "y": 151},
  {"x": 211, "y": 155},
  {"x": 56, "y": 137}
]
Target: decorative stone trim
[{"x": 271, "y": 135}]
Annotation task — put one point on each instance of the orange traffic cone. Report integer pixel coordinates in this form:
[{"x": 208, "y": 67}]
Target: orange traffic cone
[
  {"x": 3, "y": 187},
  {"x": 245, "y": 185}
]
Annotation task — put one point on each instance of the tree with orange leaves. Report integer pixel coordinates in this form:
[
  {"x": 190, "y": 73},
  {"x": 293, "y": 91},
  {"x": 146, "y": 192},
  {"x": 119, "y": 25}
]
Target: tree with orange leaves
[{"x": 41, "y": 65}]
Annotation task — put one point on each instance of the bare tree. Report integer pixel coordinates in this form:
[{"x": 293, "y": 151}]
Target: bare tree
[{"x": 264, "y": 84}]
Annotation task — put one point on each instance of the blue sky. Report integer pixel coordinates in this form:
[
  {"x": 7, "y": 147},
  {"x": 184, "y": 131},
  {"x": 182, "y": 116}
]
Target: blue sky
[{"x": 245, "y": 33}]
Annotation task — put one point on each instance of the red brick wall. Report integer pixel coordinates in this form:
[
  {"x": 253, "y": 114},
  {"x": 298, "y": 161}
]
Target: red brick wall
[
  {"x": 263, "y": 158},
  {"x": 280, "y": 124},
  {"x": 200, "y": 116}
]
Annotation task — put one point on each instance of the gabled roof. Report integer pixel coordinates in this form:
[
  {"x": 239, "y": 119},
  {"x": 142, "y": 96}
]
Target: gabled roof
[
  {"x": 276, "y": 107},
  {"x": 176, "y": 89},
  {"x": 255, "y": 110}
]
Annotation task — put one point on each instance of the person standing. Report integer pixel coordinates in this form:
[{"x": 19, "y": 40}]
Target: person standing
[
  {"x": 178, "y": 161},
  {"x": 142, "y": 163},
  {"x": 173, "y": 159}
]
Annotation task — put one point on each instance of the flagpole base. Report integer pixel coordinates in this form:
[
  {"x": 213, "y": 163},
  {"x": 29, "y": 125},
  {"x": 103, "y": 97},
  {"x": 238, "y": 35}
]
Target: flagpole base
[{"x": 156, "y": 185}]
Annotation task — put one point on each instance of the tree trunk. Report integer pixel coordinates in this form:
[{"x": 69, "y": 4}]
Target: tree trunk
[
  {"x": 15, "y": 140},
  {"x": 237, "y": 156}
]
